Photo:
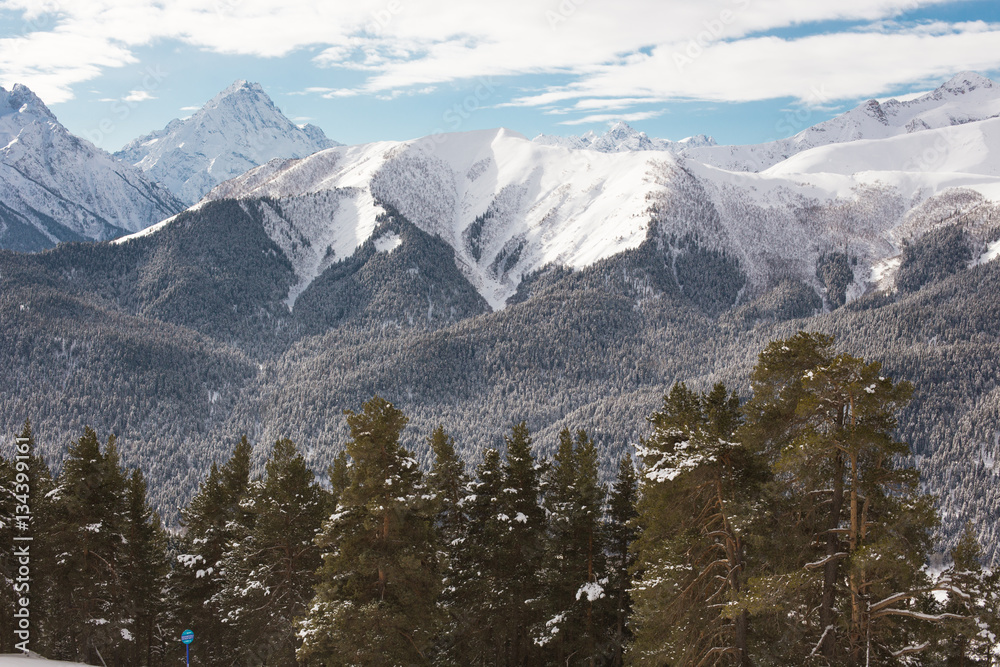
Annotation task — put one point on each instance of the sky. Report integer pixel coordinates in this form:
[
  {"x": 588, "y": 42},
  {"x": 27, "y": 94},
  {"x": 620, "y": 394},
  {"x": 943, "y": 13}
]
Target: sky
[{"x": 742, "y": 71}]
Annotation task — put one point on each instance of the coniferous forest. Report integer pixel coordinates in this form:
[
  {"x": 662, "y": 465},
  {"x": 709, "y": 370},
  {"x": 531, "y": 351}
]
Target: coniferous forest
[{"x": 786, "y": 528}]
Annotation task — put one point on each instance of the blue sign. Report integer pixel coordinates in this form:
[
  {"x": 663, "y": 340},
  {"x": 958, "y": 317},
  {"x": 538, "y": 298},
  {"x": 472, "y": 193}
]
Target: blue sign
[{"x": 187, "y": 637}]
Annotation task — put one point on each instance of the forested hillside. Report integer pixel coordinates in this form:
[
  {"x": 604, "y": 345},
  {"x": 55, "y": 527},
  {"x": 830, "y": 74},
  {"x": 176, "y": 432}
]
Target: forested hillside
[
  {"x": 788, "y": 529},
  {"x": 179, "y": 340}
]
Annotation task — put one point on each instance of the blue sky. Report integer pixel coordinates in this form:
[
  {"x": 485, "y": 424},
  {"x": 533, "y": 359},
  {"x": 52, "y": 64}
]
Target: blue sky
[{"x": 743, "y": 71}]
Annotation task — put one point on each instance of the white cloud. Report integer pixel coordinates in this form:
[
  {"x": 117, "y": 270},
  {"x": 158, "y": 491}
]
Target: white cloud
[
  {"x": 139, "y": 96},
  {"x": 608, "y": 118},
  {"x": 615, "y": 55},
  {"x": 189, "y": 108}
]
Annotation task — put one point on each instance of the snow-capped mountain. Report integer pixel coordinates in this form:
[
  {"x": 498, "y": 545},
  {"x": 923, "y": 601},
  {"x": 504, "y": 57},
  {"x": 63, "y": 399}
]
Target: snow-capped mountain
[
  {"x": 509, "y": 206},
  {"x": 621, "y": 137},
  {"x": 966, "y": 97},
  {"x": 57, "y": 187},
  {"x": 238, "y": 129}
]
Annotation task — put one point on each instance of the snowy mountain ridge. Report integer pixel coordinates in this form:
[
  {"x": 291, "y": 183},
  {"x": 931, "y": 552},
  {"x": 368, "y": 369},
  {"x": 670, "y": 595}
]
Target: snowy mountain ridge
[
  {"x": 510, "y": 207},
  {"x": 238, "y": 129},
  {"x": 966, "y": 97},
  {"x": 622, "y": 137},
  {"x": 57, "y": 187}
]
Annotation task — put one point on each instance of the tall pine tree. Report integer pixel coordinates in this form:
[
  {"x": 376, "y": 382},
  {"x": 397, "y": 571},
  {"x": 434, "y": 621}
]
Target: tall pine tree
[
  {"x": 575, "y": 601},
  {"x": 213, "y": 519},
  {"x": 375, "y": 602},
  {"x": 270, "y": 570},
  {"x": 621, "y": 533}
]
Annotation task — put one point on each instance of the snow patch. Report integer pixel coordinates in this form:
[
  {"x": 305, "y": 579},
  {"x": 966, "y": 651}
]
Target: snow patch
[{"x": 388, "y": 242}]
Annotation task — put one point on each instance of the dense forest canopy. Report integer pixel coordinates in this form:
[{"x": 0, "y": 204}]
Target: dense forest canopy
[{"x": 788, "y": 529}]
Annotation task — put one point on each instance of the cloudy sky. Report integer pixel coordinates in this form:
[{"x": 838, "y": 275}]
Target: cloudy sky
[{"x": 743, "y": 71}]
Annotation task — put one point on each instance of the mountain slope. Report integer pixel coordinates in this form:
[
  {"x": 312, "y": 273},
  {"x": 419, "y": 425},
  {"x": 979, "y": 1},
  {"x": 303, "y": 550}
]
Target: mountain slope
[
  {"x": 238, "y": 129},
  {"x": 510, "y": 207},
  {"x": 56, "y": 187},
  {"x": 966, "y": 97}
]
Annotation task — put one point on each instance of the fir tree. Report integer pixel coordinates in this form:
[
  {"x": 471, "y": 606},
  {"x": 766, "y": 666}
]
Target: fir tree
[
  {"x": 213, "y": 519},
  {"x": 696, "y": 490},
  {"x": 447, "y": 481},
  {"x": 89, "y": 537},
  {"x": 574, "y": 581},
  {"x": 520, "y": 548},
  {"x": 473, "y": 633},
  {"x": 270, "y": 571},
  {"x": 621, "y": 533},
  {"x": 143, "y": 575},
  {"x": 375, "y": 600}
]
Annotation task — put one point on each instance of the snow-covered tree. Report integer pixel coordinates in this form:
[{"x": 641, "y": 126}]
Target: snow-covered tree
[
  {"x": 574, "y": 599},
  {"x": 269, "y": 570},
  {"x": 375, "y": 600}
]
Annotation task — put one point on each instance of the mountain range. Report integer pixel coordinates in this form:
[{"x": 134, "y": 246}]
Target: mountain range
[
  {"x": 477, "y": 279},
  {"x": 56, "y": 187},
  {"x": 238, "y": 129}
]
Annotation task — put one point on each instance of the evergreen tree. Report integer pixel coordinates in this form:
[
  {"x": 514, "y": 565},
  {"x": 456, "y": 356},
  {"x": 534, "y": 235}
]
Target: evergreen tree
[
  {"x": 448, "y": 484},
  {"x": 825, "y": 424},
  {"x": 574, "y": 581},
  {"x": 270, "y": 571},
  {"x": 520, "y": 548},
  {"x": 695, "y": 498},
  {"x": 621, "y": 533},
  {"x": 447, "y": 481},
  {"x": 375, "y": 602},
  {"x": 89, "y": 537},
  {"x": 473, "y": 633},
  {"x": 213, "y": 519},
  {"x": 143, "y": 576}
]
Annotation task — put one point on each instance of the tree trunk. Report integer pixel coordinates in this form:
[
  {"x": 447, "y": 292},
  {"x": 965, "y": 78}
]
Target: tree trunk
[{"x": 826, "y": 614}]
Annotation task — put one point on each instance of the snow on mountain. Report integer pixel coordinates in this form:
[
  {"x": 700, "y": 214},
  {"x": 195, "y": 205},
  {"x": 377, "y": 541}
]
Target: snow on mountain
[
  {"x": 505, "y": 204},
  {"x": 622, "y": 137},
  {"x": 509, "y": 206},
  {"x": 965, "y": 98},
  {"x": 238, "y": 129},
  {"x": 56, "y": 187}
]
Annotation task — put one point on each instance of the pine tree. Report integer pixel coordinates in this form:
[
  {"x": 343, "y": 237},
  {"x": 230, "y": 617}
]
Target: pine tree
[
  {"x": 375, "y": 602},
  {"x": 521, "y": 548},
  {"x": 213, "y": 519},
  {"x": 447, "y": 481},
  {"x": 143, "y": 575},
  {"x": 696, "y": 491},
  {"x": 574, "y": 581},
  {"x": 621, "y": 533},
  {"x": 825, "y": 424},
  {"x": 89, "y": 537},
  {"x": 473, "y": 633},
  {"x": 270, "y": 572}
]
